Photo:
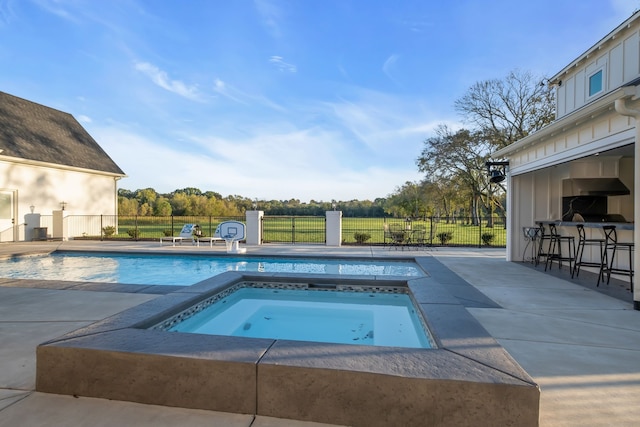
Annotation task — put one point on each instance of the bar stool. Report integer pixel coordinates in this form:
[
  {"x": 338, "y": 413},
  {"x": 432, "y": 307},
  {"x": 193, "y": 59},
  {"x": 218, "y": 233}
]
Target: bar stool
[
  {"x": 531, "y": 237},
  {"x": 582, "y": 242},
  {"x": 555, "y": 249},
  {"x": 543, "y": 251},
  {"x": 611, "y": 243}
]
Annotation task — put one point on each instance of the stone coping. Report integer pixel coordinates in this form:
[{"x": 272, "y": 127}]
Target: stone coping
[{"x": 468, "y": 377}]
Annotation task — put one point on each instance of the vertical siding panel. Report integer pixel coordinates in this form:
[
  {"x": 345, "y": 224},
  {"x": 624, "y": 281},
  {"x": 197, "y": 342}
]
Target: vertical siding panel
[
  {"x": 616, "y": 68},
  {"x": 631, "y": 57}
]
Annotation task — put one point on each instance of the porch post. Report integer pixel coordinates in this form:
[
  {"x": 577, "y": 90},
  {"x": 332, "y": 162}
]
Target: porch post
[
  {"x": 624, "y": 109},
  {"x": 636, "y": 213}
]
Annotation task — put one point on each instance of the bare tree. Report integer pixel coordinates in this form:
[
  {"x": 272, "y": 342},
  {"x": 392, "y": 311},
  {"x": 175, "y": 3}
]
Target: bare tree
[{"x": 509, "y": 109}]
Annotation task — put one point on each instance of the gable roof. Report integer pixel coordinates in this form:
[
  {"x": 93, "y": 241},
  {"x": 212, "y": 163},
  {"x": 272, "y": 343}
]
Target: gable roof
[{"x": 34, "y": 132}]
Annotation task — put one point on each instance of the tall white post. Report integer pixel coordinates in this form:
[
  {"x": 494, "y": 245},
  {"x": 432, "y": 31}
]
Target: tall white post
[
  {"x": 333, "y": 228},
  {"x": 59, "y": 227},
  {"x": 254, "y": 227},
  {"x": 624, "y": 109},
  {"x": 636, "y": 213}
]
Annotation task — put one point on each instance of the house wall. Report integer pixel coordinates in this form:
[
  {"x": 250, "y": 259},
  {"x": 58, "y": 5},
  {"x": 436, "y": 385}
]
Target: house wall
[
  {"x": 45, "y": 188},
  {"x": 604, "y": 132},
  {"x": 618, "y": 58}
]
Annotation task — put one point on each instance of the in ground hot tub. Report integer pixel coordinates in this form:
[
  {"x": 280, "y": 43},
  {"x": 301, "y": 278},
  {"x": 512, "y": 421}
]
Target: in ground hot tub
[
  {"x": 360, "y": 315},
  {"x": 467, "y": 376}
]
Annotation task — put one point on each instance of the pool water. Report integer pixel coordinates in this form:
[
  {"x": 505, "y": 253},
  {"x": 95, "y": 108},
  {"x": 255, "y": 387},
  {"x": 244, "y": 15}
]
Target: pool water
[
  {"x": 182, "y": 270},
  {"x": 362, "y": 318}
]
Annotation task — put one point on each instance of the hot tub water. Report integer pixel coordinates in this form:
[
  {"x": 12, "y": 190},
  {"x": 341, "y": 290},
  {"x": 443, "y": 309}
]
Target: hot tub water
[{"x": 365, "y": 318}]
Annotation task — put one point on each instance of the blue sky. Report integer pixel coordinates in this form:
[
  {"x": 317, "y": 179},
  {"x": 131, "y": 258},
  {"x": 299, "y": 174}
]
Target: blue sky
[{"x": 279, "y": 99}]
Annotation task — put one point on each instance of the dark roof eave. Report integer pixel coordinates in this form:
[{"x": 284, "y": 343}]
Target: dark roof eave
[{"x": 18, "y": 160}]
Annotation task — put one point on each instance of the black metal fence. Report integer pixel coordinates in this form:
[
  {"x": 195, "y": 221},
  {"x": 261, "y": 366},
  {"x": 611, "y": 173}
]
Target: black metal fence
[
  {"x": 433, "y": 231},
  {"x": 294, "y": 229}
]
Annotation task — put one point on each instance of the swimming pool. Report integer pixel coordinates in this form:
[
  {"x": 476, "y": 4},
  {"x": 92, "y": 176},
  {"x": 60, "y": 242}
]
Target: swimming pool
[
  {"x": 184, "y": 270},
  {"x": 306, "y": 313}
]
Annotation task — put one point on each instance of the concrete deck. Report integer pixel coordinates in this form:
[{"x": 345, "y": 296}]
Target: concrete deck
[{"x": 581, "y": 346}]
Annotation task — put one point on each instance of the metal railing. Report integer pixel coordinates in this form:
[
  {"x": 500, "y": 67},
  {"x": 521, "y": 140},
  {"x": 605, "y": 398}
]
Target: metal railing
[
  {"x": 452, "y": 231},
  {"x": 438, "y": 231},
  {"x": 135, "y": 227},
  {"x": 294, "y": 229}
]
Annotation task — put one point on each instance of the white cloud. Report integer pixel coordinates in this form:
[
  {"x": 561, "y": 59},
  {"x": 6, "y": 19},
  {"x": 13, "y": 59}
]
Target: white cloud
[
  {"x": 234, "y": 94},
  {"x": 56, "y": 8},
  {"x": 279, "y": 62},
  {"x": 161, "y": 79},
  {"x": 305, "y": 164},
  {"x": 271, "y": 16},
  {"x": 6, "y": 12},
  {"x": 389, "y": 65},
  {"x": 376, "y": 119},
  {"x": 84, "y": 119},
  {"x": 225, "y": 90}
]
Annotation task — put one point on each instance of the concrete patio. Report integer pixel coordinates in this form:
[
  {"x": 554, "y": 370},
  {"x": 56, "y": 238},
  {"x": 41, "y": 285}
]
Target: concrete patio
[{"x": 581, "y": 346}]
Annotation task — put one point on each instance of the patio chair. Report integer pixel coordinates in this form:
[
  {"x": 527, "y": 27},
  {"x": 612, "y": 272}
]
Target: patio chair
[
  {"x": 185, "y": 234},
  {"x": 433, "y": 231},
  {"x": 419, "y": 235},
  {"x": 215, "y": 238},
  {"x": 398, "y": 235},
  {"x": 387, "y": 237}
]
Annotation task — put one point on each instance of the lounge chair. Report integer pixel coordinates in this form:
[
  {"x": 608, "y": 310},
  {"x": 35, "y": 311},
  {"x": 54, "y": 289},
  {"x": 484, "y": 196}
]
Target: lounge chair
[
  {"x": 185, "y": 234},
  {"x": 216, "y": 237}
]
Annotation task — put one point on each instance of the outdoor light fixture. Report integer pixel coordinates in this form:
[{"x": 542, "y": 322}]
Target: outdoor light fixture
[
  {"x": 255, "y": 204},
  {"x": 496, "y": 176},
  {"x": 32, "y": 208},
  {"x": 550, "y": 83},
  {"x": 333, "y": 204},
  {"x": 497, "y": 171}
]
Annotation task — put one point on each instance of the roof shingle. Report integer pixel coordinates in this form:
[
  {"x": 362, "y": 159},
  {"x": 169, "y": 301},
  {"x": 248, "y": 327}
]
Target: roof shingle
[{"x": 34, "y": 132}]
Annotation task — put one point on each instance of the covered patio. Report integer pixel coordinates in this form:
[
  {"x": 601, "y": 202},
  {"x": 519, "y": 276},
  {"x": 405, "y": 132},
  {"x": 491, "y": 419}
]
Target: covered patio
[{"x": 584, "y": 167}]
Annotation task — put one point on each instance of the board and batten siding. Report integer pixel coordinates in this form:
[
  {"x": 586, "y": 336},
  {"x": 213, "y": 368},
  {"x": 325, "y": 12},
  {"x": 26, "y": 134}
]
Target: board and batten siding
[{"x": 618, "y": 58}]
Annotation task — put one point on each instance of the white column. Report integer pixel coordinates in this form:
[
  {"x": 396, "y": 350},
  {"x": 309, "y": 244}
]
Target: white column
[
  {"x": 636, "y": 213},
  {"x": 511, "y": 225},
  {"x": 59, "y": 227},
  {"x": 254, "y": 227},
  {"x": 333, "y": 228},
  {"x": 622, "y": 108}
]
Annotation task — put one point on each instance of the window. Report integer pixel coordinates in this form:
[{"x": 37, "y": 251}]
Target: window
[
  {"x": 6, "y": 205},
  {"x": 595, "y": 83}
]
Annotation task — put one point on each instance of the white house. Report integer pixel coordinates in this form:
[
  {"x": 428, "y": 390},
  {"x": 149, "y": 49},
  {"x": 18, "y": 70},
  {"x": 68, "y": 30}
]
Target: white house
[
  {"x": 49, "y": 164},
  {"x": 589, "y": 153}
]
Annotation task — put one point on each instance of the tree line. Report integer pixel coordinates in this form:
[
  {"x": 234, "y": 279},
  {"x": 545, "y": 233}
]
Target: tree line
[
  {"x": 495, "y": 113},
  {"x": 194, "y": 202}
]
